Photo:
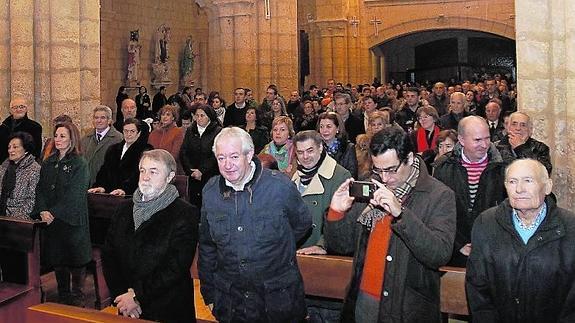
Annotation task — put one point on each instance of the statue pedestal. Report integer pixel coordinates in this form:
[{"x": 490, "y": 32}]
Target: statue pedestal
[{"x": 157, "y": 85}]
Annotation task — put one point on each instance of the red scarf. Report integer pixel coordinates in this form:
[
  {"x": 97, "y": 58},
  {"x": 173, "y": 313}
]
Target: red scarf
[{"x": 422, "y": 139}]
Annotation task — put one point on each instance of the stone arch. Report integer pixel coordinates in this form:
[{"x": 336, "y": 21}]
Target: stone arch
[{"x": 457, "y": 22}]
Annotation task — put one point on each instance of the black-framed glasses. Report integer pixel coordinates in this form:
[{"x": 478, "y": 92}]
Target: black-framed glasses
[
  {"x": 18, "y": 107},
  {"x": 389, "y": 170}
]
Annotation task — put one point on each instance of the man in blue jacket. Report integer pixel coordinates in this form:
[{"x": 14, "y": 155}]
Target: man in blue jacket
[{"x": 251, "y": 221}]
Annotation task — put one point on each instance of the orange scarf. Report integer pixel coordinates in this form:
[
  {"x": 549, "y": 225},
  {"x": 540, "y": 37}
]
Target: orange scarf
[{"x": 375, "y": 258}]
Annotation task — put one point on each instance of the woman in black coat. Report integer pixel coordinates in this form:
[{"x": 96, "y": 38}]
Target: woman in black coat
[
  {"x": 196, "y": 154},
  {"x": 119, "y": 173},
  {"x": 254, "y": 126}
]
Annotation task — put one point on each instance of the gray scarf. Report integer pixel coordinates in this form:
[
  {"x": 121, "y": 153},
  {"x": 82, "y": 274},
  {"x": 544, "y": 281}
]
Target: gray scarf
[
  {"x": 371, "y": 214},
  {"x": 143, "y": 210}
]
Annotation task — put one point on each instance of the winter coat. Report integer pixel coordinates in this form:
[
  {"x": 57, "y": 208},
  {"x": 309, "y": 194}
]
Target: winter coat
[
  {"x": 317, "y": 197},
  {"x": 196, "y": 152},
  {"x": 25, "y": 125},
  {"x": 532, "y": 148},
  {"x": 421, "y": 242},
  {"x": 490, "y": 192},
  {"x": 345, "y": 156},
  {"x": 122, "y": 173},
  {"x": 62, "y": 190},
  {"x": 21, "y": 202},
  {"x": 512, "y": 282},
  {"x": 154, "y": 260},
  {"x": 95, "y": 151},
  {"x": 247, "y": 262}
]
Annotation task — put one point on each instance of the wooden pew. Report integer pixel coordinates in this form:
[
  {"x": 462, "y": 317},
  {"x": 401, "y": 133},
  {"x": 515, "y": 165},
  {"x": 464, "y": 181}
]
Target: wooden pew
[
  {"x": 453, "y": 296},
  {"x": 20, "y": 263},
  {"x": 58, "y": 313},
  {"x": 328, "y": 276},
  {"x": 325, "y": 276}
]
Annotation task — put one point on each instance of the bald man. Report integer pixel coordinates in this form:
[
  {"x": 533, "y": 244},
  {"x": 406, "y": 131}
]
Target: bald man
[
  {"x": 474, "y": 171},
  {"x": 522, "y": 264},
  {"x": 19, "y": 121}
]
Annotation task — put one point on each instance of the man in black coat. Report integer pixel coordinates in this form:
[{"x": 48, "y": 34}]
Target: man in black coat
[
  {"x": 406, "y": 117},
  {"x": 522, "y": 264},
  {"x": 519, "y": 144},
  {"x": 457, "y": 112},
  {"x": 159, "y": 100},
  {"x": 150, "y": 247},
  {"x": 236, "y": 112},
  {"x": 353, "y": 124},
  {"x": 18, "y": 121},
  {"x": 496, "y": 124},
  {"x": 474, "y": 171}
]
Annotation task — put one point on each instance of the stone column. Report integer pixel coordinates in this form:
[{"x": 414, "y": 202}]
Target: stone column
[
  {"x": 4, "y": 58},
  {"x": 22, "y": 51},
  {"x": 546, "y": 83},
  {"x": 89, "y": 58},
  {"x": 52, "y": 57},
  {"x": 252, "y": 51}
]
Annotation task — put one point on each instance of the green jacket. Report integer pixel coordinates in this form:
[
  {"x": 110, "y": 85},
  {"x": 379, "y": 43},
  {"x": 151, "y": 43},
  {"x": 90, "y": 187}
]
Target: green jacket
[
  {"x": 62, "y": 189},
  {"x": 317, "y": 196}
]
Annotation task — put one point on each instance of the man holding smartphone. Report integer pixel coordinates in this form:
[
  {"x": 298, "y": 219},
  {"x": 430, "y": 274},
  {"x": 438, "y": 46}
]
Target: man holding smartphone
[{"x": 406, "y": 233}]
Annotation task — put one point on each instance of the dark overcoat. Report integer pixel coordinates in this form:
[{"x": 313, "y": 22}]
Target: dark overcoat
[
  {"x": 62, "y": 190},
  {"x": 247, "y": 262},
  {"x": 512, "y": 282},
  {"x": 122, "y": 173},
  {"x": 154, "y": 260},
  {"x": 196, "y": 152},
  {"x": 420, "y": 243}
]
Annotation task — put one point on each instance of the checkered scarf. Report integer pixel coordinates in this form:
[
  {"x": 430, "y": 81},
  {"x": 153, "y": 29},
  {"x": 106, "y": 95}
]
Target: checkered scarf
[{"x": 372, "y": 214}]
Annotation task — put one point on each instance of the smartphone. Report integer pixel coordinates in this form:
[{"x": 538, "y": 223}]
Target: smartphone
[{"x": 362, "y": 190}]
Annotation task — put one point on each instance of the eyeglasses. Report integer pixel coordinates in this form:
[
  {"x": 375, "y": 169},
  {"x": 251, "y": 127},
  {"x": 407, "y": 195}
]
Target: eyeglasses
[
  {"x": 389, "y": 170},
  {"x": 18, "y": 107}
]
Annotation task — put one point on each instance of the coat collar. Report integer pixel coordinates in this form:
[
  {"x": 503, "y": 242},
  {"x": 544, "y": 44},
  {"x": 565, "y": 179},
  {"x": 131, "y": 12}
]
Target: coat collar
[
  {"x": 326, "y": 170},
  {"x": 455, "y": 155},
  {"x": 227, "y": 191},
  {"x": 551, "y": 224}
]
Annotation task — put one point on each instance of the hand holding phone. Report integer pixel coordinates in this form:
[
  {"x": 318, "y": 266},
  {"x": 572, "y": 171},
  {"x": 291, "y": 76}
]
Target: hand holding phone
[
  {"x": 384, "y": 197},
  {"x": 362, "y": 190}
]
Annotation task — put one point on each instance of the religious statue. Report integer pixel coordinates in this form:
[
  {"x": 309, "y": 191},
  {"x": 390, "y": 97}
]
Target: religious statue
[
  {"x": 132, "y": 79},
  {"x": 187, "y": 63},
  {"x": 160, "y": 67}
]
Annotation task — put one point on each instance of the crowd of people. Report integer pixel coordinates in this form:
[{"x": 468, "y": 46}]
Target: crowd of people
[{"x": 448, "y": 174}]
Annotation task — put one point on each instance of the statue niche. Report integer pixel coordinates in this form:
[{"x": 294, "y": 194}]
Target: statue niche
[
  {"x": 160, "y": 67},
  {"x": 187, "y": 63},
  {"x": 133, "y": 75}
]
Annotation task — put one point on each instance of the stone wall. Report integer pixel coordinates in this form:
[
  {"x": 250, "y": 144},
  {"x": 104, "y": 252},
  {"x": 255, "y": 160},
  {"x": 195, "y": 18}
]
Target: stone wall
[
  {"x": 118, "y": 18},
  {"x": 546, "y": 83},
  {"x": 342, "y": 50},
  {"x": 50, "y": 55},
  {"x": 249, "y": 49}
]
